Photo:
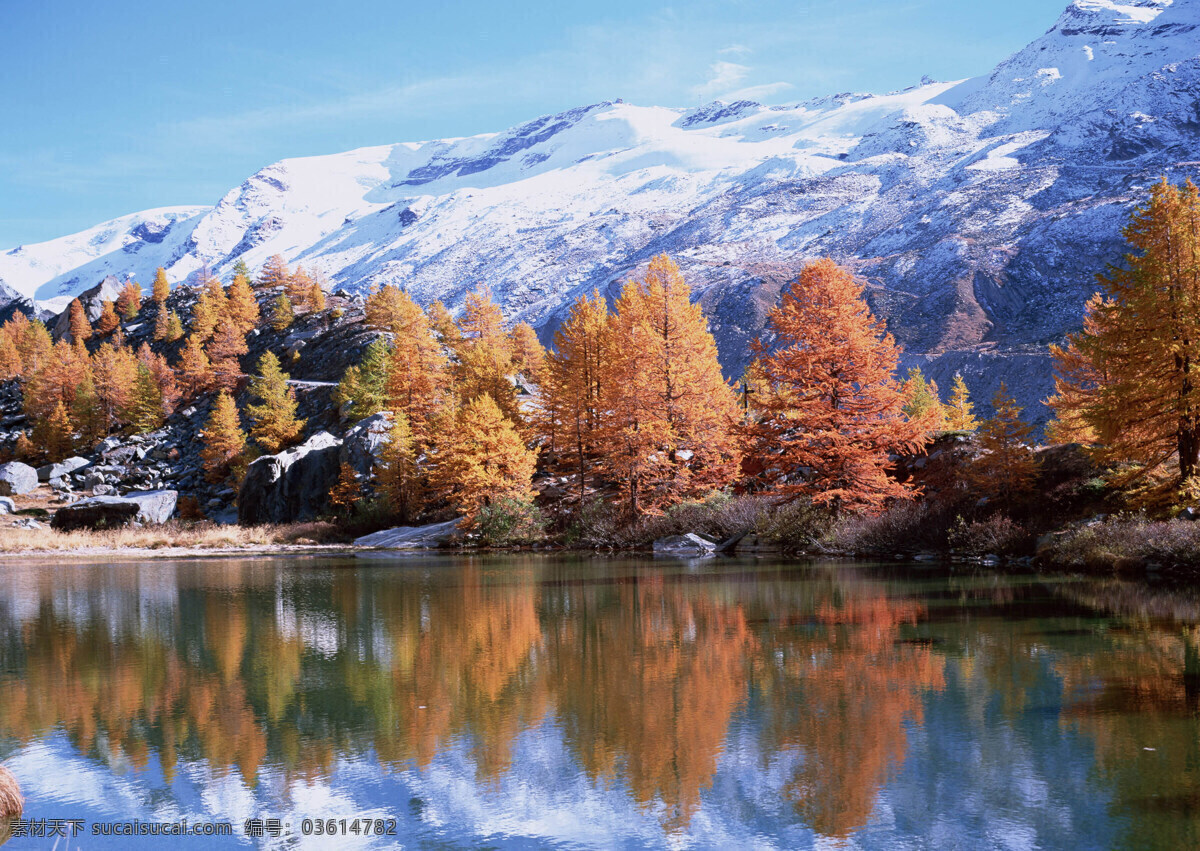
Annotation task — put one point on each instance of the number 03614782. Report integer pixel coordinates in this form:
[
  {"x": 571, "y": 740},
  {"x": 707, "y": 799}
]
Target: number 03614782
[{"x": 348, "y": 827}]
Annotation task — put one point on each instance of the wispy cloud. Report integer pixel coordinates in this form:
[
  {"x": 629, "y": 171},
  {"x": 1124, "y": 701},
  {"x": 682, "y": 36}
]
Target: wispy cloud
[
  {"x": 738, "y": 50},
  {"x": 723, "y": 76}
]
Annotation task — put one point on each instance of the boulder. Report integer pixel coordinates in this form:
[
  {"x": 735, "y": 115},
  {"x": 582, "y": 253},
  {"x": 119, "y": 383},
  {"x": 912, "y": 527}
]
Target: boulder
[
  {"x": 690, "y": 544},
  {"x": 364, "y": 442},
  {"x": 61, "y": 469},
  {"x": 7, "y": 506},
  {"x": 413, "y": 537},
  {"x": 107, "y": 512},
  {"x": 293, "y": 485},
  {"x": 17, "y": 478}
]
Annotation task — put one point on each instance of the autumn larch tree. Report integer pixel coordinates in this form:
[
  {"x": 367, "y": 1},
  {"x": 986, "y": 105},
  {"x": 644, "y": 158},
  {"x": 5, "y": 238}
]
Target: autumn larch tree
[
  {"x": 10, "y": 358},
  {"x": 346, "y": 492},
  {"x": 224, "y": 352},
  {"x": 162, "y": 287},
  {"x": 224, "y": 440},
  {"x": 298, "y": 288},
  {"x": 316, "y": 295},
  {"x": 55, "y": 435},
  {"x": 114, "y": 371},
  {"x": 444, "y": 325},
  {"x": 398, "y": 475},
  {"x": 830, "y": 413},
  {"x": 174, "y": 327},
  {"x": 195, "y": 369},
  {"x": 163, "y": 375},
  {"x": 81, "y": 329},
  {"x": 274, "y": 273},
  {"x": 162, "y": 324},
  {"x": 669, "y": 418},
  {"x": 483, "y": 459},
  {"x": 921, "y": 401},
  {"x": 242, "y": 306},
  {"x": 86, "y": 412},
  {"x": 108, "y": 321},
  {"x": 416, "y": 380},
  {"x": 529, "y": 358},
  {"x": 485, "y": 355},
  {"x": 572, "y": 392},
  {"x": 1132, "y": 376},
  {"x": 129, "y": 301},
  {"x": 1007, "y": 467},
  {"x": 273, "y": 417},
  {"x": 959, "y": 410},
  {"x": 206, "y": 316},
  {"x": 282, "y": 313},
  {"x": 145, "y": 411}
]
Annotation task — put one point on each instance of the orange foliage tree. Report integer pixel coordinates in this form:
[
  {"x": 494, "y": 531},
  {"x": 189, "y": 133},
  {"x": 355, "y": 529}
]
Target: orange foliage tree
[
  {"x": 224, "y": 440},
  {"x": 77, "y": 321},
  {"x": 416, "y": 382},
  {"x": 1007, "y": 468},
  {"x": 108, "y": 321},
  {"x": 483, "y": 459},
  {"x": 224, "y": 351},
  {"x": 129, "y": 300},
  {"x": 669, "y": 414},
  {"x": 830, "y": 412},
  {"x": 162, "y": 287}
]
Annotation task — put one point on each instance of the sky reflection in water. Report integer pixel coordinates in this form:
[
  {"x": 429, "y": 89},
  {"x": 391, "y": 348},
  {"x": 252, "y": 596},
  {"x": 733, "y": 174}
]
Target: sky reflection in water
[{"x": 579, "y": 702}]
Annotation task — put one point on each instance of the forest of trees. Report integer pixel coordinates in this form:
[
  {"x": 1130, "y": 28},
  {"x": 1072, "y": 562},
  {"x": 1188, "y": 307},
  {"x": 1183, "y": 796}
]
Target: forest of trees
[{"x": 629, "y": 405}]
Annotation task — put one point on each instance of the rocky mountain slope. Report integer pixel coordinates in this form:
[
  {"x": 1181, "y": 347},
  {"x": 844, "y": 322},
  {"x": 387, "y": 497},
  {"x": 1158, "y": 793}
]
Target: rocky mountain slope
[{"x": 978, "y": 211}]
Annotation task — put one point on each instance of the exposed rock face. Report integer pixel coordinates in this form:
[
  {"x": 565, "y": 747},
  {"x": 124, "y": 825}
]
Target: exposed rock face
[
  {"x": 413, "y": 537},
  {"x": 93, "y": 305},
  {"x": 365, "y": 440},
  {"x": 17, "y": 478},
  {"x": 690, "y": 544},
  {"x": 108, "y": 512},
  {"x": 291, "y": 486}
]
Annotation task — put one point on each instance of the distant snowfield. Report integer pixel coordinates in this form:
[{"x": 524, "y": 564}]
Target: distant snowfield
[{"x": 978, "y": 210}]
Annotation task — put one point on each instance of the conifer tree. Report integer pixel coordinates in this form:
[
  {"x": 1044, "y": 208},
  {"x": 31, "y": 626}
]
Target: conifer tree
[
  {"x": 921, "y": 401},
  {"x": 282, "y": 314},
  {"x": 364, "y": 386},
  {"x": 274, "y": 424},
  {"x": 831, "y": 405},
  {"x": 86, "y": 413},
  {"x": 114, "y": 372},
  {"x": 1007, "y": 467},
  {"x": 224, "y": 352},
  {"x": 224, "y": 440},
  {"x": 108, "y": 321},
  {"x": 55, "y": 379},
  {"x": 316, "y": 297},
  {"x": 483, "y": 459},
  {"x": 174, "y": 327},
  {"x": 958, "y": 410},
  {"x": 529, "y": 358},
  {"x": 398, "y": 474},
  {"x": 10, "y": 357},
  {"x": 346, "y": 492},
  {"x": 145, "y": 410},
  {"x": 163, "y": 375},
  {"x": 1129, "y": 380},
  {"x": 206, "y": 316},
  {"x": 195, "y": 369},
  {"x": 417, "y": 372},
  {"x": 444, "y": 325},
  {"x": 384, "y": 308},
  {"x": 55, "y": 434},
  {"x": 161, "y": 324},
  {"x": 35, "y": 346},
  {"x": 129, "y": 301},
  {"x": 162, "y": 287},
  {"x": 242, "y": 306},
  {"x": 299, "y": 288},
  {"x": 274, "y": 273},
  {"x": 24, "y": 448},
  {"x": 80, "y": 328},
  {"x": 572, "y": 417},
  {"x": 668, "y": 431},
  {"x": 485, "y": 355}
]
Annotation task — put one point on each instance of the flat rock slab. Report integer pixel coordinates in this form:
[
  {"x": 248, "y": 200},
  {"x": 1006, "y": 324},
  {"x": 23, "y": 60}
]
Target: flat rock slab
[
  {"x": 413, "y": 537},
  {"x": 17, "y": 478},
  {"x": 49, "y": 472},
  {"x": 690, "y": 544},
  {"x": 148, "y": 508}
]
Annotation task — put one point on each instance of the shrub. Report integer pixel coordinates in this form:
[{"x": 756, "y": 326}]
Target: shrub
[
  {"x": 997, "y": 535},
  {"x": 510, "y": 522}
]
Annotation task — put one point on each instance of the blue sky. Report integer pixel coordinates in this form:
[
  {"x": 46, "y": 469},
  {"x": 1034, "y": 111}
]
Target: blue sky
[{"x": 111, "y": 108}]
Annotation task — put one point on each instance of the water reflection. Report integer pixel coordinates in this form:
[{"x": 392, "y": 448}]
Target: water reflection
[{"x": 581, "y": 701}]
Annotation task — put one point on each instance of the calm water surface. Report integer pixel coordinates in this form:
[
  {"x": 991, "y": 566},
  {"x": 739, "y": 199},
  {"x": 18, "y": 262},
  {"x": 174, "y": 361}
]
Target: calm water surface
[{"x": 584, "y": 702}]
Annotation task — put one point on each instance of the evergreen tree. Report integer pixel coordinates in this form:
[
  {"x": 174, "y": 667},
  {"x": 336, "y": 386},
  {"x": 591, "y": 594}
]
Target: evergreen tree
[
  {"x": 1007, "y": 467},
  {"x": 274, "y": 424},
  {"x": 240, "y": 268},
  {"x": 831, "y": 405},
  {"x": 398, "y": 474},
  {"x": 162, "y": 287},
  {"x": 483, "y": 459},
  {"x": 364, "y": 386},
  {"x": 959, "y": 416},
  {"x": 242, "y": 306},
  {"x": 669, "y": 415},
  {"x": 921, "y": 402},
  {"x": 224, "y": 440},
  {"x": 282, "y": 314},
  {"x": 86, "y": 413},
  {"x": 80, "y": 328},
  {"x": 108, "y": 321},
  {"x": 129, "y": 301}
]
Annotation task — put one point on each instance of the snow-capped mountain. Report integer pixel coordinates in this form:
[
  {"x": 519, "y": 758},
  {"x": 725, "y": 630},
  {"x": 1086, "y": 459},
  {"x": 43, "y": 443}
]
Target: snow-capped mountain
[{"x": 979, "y": 211}]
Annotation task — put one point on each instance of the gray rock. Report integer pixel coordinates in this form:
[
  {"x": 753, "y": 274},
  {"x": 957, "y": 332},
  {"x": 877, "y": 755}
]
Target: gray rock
[
  {"x": 107, "y": 512},
  {"x": 26, "y": 523},
  {"x": 363, "y": 443},
  {"x": 62, "y": 468},
  {"x": 1188, "y": 513},
  {"x": 690, "y": 544},
  {"x": 293, "y": 485},
  {"x": 17, "y": 478},
  {"x": 413, "y": 537},
  {"x": 102, "y": 489},
  {"x": 7, "y": 506}
]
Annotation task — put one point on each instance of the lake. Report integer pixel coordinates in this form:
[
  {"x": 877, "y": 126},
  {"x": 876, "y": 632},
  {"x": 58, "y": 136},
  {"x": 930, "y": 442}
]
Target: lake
[{"x": 533, "y": 701}]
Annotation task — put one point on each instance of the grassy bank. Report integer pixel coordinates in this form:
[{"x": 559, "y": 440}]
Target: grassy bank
[{"x": 169, "y": 538}]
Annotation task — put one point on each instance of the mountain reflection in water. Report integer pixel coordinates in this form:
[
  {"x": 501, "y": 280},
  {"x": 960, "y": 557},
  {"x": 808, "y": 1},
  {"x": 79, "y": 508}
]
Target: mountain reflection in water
[{"x": 615, "y": 702}]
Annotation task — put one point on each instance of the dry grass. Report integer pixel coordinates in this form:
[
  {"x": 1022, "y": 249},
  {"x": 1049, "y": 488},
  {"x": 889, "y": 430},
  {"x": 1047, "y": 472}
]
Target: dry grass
[
  {"x": 1126, "y": 543},
  {"x": 176, "y": 535},
  {"x": 11, "y": 801}
]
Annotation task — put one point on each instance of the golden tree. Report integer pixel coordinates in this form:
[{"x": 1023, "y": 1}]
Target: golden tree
[
  {"x": 485, "y": 355},
  {"x": 667, "y": 433},
  {"x": 224, "y": 352},
  {"x": 273, "y": 417},
  {"x": 241, "y": 305},
  {"x": 10, "y": 358},
  {"x": 224, "y": 440},
  {"x": 282, "y": 313},
  {"x": 129, "y": 300},
  {"x": 195, "y": 369},
  {"x": 444, "y": 325},
  {"x": 299, "y": 287},
  {"x": 163, "y": 375},
  {"x": 162, "y": 324},
  {"x": 77, "y": 321},
  {"x": 1007, "y": 467},
  {"x": 114, "y": 371},
  {"x": 398, "y": 475},
  {"x": 108, "y": 321},
  {"x": 921, "y": 401},
  {"x": 416, "y": 376},
  {"x": 55, "y": 435},
  {"x": 86, "y": 412},
  {"x": 1128, "y": 381},
  {"x": 483, "y": 459},
  {"x": 206, "y": 316},
  {"x": 274, "y": 273},
  {"x": 346, "y": 491},
  {"x": 174, "y": 327},
  {"x": 529, "y": 358},
  {"x": 958, "y": 410},
  {"x": 145, "y": 411},
  {"x": 830, "y": 413},
  {"x": 162, "y": 287}
]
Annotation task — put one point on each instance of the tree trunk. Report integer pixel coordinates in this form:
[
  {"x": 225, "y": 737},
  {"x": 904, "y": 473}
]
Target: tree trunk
[{"x": 1189, "y": 450}]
